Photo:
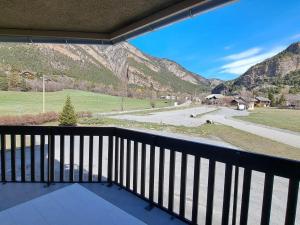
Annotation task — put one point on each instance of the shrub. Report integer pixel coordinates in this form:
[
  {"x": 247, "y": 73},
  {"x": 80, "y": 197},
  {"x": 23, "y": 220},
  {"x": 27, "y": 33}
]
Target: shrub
[
  {"x": 68, "y": 116},
  {"x": 29, "y": 119}
]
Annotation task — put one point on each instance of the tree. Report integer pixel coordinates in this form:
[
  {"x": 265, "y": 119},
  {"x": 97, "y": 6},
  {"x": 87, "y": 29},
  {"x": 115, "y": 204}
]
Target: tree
[
  {"x": 281, "y": 100},
  {"x": 271, "y": 97},
  {"x": 68, "y": 116}
]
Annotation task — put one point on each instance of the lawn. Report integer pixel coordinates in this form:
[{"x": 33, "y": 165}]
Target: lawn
[
  {"x": 17, "y": 103},
  {"x": 281, "y": 118},
  {"x": 238, "y": 138}
]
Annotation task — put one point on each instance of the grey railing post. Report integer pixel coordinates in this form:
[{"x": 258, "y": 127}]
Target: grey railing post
[{"x": 110, "y": 158}]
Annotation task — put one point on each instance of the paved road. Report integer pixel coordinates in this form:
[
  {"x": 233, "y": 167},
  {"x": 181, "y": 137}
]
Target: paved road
[
  {"x": 179, "y": 117},
  {"x": 223, "y": 116}
]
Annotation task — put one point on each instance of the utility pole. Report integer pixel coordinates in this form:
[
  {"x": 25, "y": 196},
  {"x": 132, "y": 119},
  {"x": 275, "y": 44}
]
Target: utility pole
[{"x": 44, "y": 94}]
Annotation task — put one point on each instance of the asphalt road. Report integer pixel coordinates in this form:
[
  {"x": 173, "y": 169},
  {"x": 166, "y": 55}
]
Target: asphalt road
[
  {"x": 179, "y": 117},
  {"x": 223, "y": 116}
]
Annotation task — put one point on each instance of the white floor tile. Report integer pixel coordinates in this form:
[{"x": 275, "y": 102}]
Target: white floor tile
[{"x": 73, "y": 204}]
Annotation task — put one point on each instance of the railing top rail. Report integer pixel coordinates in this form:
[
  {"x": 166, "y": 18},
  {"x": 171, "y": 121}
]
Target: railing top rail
[
  {"x": 56, "y": 130},
  {"x": 254, "y": 161}
]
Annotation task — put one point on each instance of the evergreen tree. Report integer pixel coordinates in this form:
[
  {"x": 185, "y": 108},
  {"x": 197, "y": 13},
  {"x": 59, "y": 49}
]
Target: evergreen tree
[
  {"x": 281, "y": 100},
  {"x": 68, "y": 116},
  {"x": 271, "y": 97}
]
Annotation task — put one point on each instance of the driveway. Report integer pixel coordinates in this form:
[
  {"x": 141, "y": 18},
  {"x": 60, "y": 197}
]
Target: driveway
[
  {"x": 179, "y": 117},
  {"x": 223, "y": 116}
]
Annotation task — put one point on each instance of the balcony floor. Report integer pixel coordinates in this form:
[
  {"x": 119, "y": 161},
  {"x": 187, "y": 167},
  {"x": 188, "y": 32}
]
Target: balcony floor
[{"x": 60, "y": 204}]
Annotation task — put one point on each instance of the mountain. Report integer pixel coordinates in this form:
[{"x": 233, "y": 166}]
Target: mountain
[
  {"x": 119, "y": 69},
  {"x": 277, "y": 72}
]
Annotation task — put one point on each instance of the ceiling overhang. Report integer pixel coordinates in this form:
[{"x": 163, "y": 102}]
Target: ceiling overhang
[{"x": 92, "y": 21}]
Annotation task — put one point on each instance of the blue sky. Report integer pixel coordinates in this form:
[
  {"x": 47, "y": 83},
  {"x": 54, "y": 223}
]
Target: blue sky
[{"x": 225, "y": 42}]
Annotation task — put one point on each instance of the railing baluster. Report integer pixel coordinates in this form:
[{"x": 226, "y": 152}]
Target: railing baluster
[
  {"x": 116, "y": 159},
  {"x": 161, "y": 176},
  {"x": 13, "y": 156},
  {"x": 143, "y": 170},
  {"x": 81, "y": 146},
  {"x": 51, "y": 158},
  {"x": 42, "y": 158},
  {"x": 210, "y": 192},
  {"x": 291, "y": 208},
  {"x": 100, "y": 149},
  {"x": 128, "y": 163},
  {"x": 135, "y": 166},
  {"x": 267, "y": 199},
  {"x": 23, "y": 155},
  {"x": 32, "y": 157},
  {"x": 226, "y": 196},
  {"x": 71, "y": 174},
  {"x": 245, "y": 196},
  {"x": 62, "y": 157},
  {"x": 235, "y": 195},
  {"x": 3, "y": 158},
  {"x": 196, "y": 190},
  {"x": 110, "y": 159},
  {"x": 171, "y": 181},
  {"x": 183, "y": 185},
  {"x": 91, "y": 147},
  {"x": 151, "y": 175},
  {"x": 122, "y": 162}
]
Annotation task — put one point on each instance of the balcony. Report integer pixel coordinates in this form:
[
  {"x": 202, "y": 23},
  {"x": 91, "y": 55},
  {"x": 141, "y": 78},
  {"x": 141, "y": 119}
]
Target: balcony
[{"x": 153, "y": 179}]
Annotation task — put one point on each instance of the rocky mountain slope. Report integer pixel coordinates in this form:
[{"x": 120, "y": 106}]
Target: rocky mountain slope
[
  {"x": 279, "y": 71},
  {"x": 118, "y": 69}
]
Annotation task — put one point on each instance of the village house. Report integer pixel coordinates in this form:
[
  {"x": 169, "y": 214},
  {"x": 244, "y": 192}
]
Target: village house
[
  {"x": 214, "y": 99},
  {"x": 262, "y": 102},
  {"x": 168, "y": 97},
  {"x": 243, "y": 103}
]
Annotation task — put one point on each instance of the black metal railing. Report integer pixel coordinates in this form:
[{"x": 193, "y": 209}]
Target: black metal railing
[{"x": 198, "y": 183}]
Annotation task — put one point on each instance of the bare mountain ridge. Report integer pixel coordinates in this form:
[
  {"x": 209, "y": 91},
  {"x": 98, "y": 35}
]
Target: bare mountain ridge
[
  {"x": 103, "y": 68},
  {"x": 276, "y": 72}
]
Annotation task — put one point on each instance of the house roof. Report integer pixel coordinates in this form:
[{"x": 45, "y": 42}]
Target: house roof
[
  {"x": 248, "y": 99},
  {"x": 240, "y": 101},
  {"x": 215, "y": 96},
  {"x": 262, "y": 99},
  {"x": 92, "y": 21}
]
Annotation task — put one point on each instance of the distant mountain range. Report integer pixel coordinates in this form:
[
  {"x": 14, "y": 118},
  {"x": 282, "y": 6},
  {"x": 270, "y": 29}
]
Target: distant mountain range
[
  {"x": 273, "y": 74},
  {"x": 118, "y": 69},
  {"x": 122, "y": 69}
]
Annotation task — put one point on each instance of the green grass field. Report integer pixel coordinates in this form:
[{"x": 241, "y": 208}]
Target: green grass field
[
  {"x": 17, "y": 103},
  {"x": 281, "y": 118}
]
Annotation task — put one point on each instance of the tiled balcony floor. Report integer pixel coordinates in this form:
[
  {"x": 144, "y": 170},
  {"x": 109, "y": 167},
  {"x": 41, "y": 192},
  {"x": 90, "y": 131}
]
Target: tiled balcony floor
[{"x": 63, "y": 204}]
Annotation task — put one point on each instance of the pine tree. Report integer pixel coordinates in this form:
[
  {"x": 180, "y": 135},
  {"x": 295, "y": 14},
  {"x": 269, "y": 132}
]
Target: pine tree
[
  {"x": 68, "y": 116},
  {"x": 281, "y": 100},
  {"x": 271, "y": 97}
]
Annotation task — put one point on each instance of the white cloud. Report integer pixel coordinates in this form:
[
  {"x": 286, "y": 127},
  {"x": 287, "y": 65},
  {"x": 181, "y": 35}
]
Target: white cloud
[
  {"x": 241, "y": 65},
  {"x": 242, "y": 55},
  {"x": 296, "y": 36},
  {"x": 228, "y": 47}
]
